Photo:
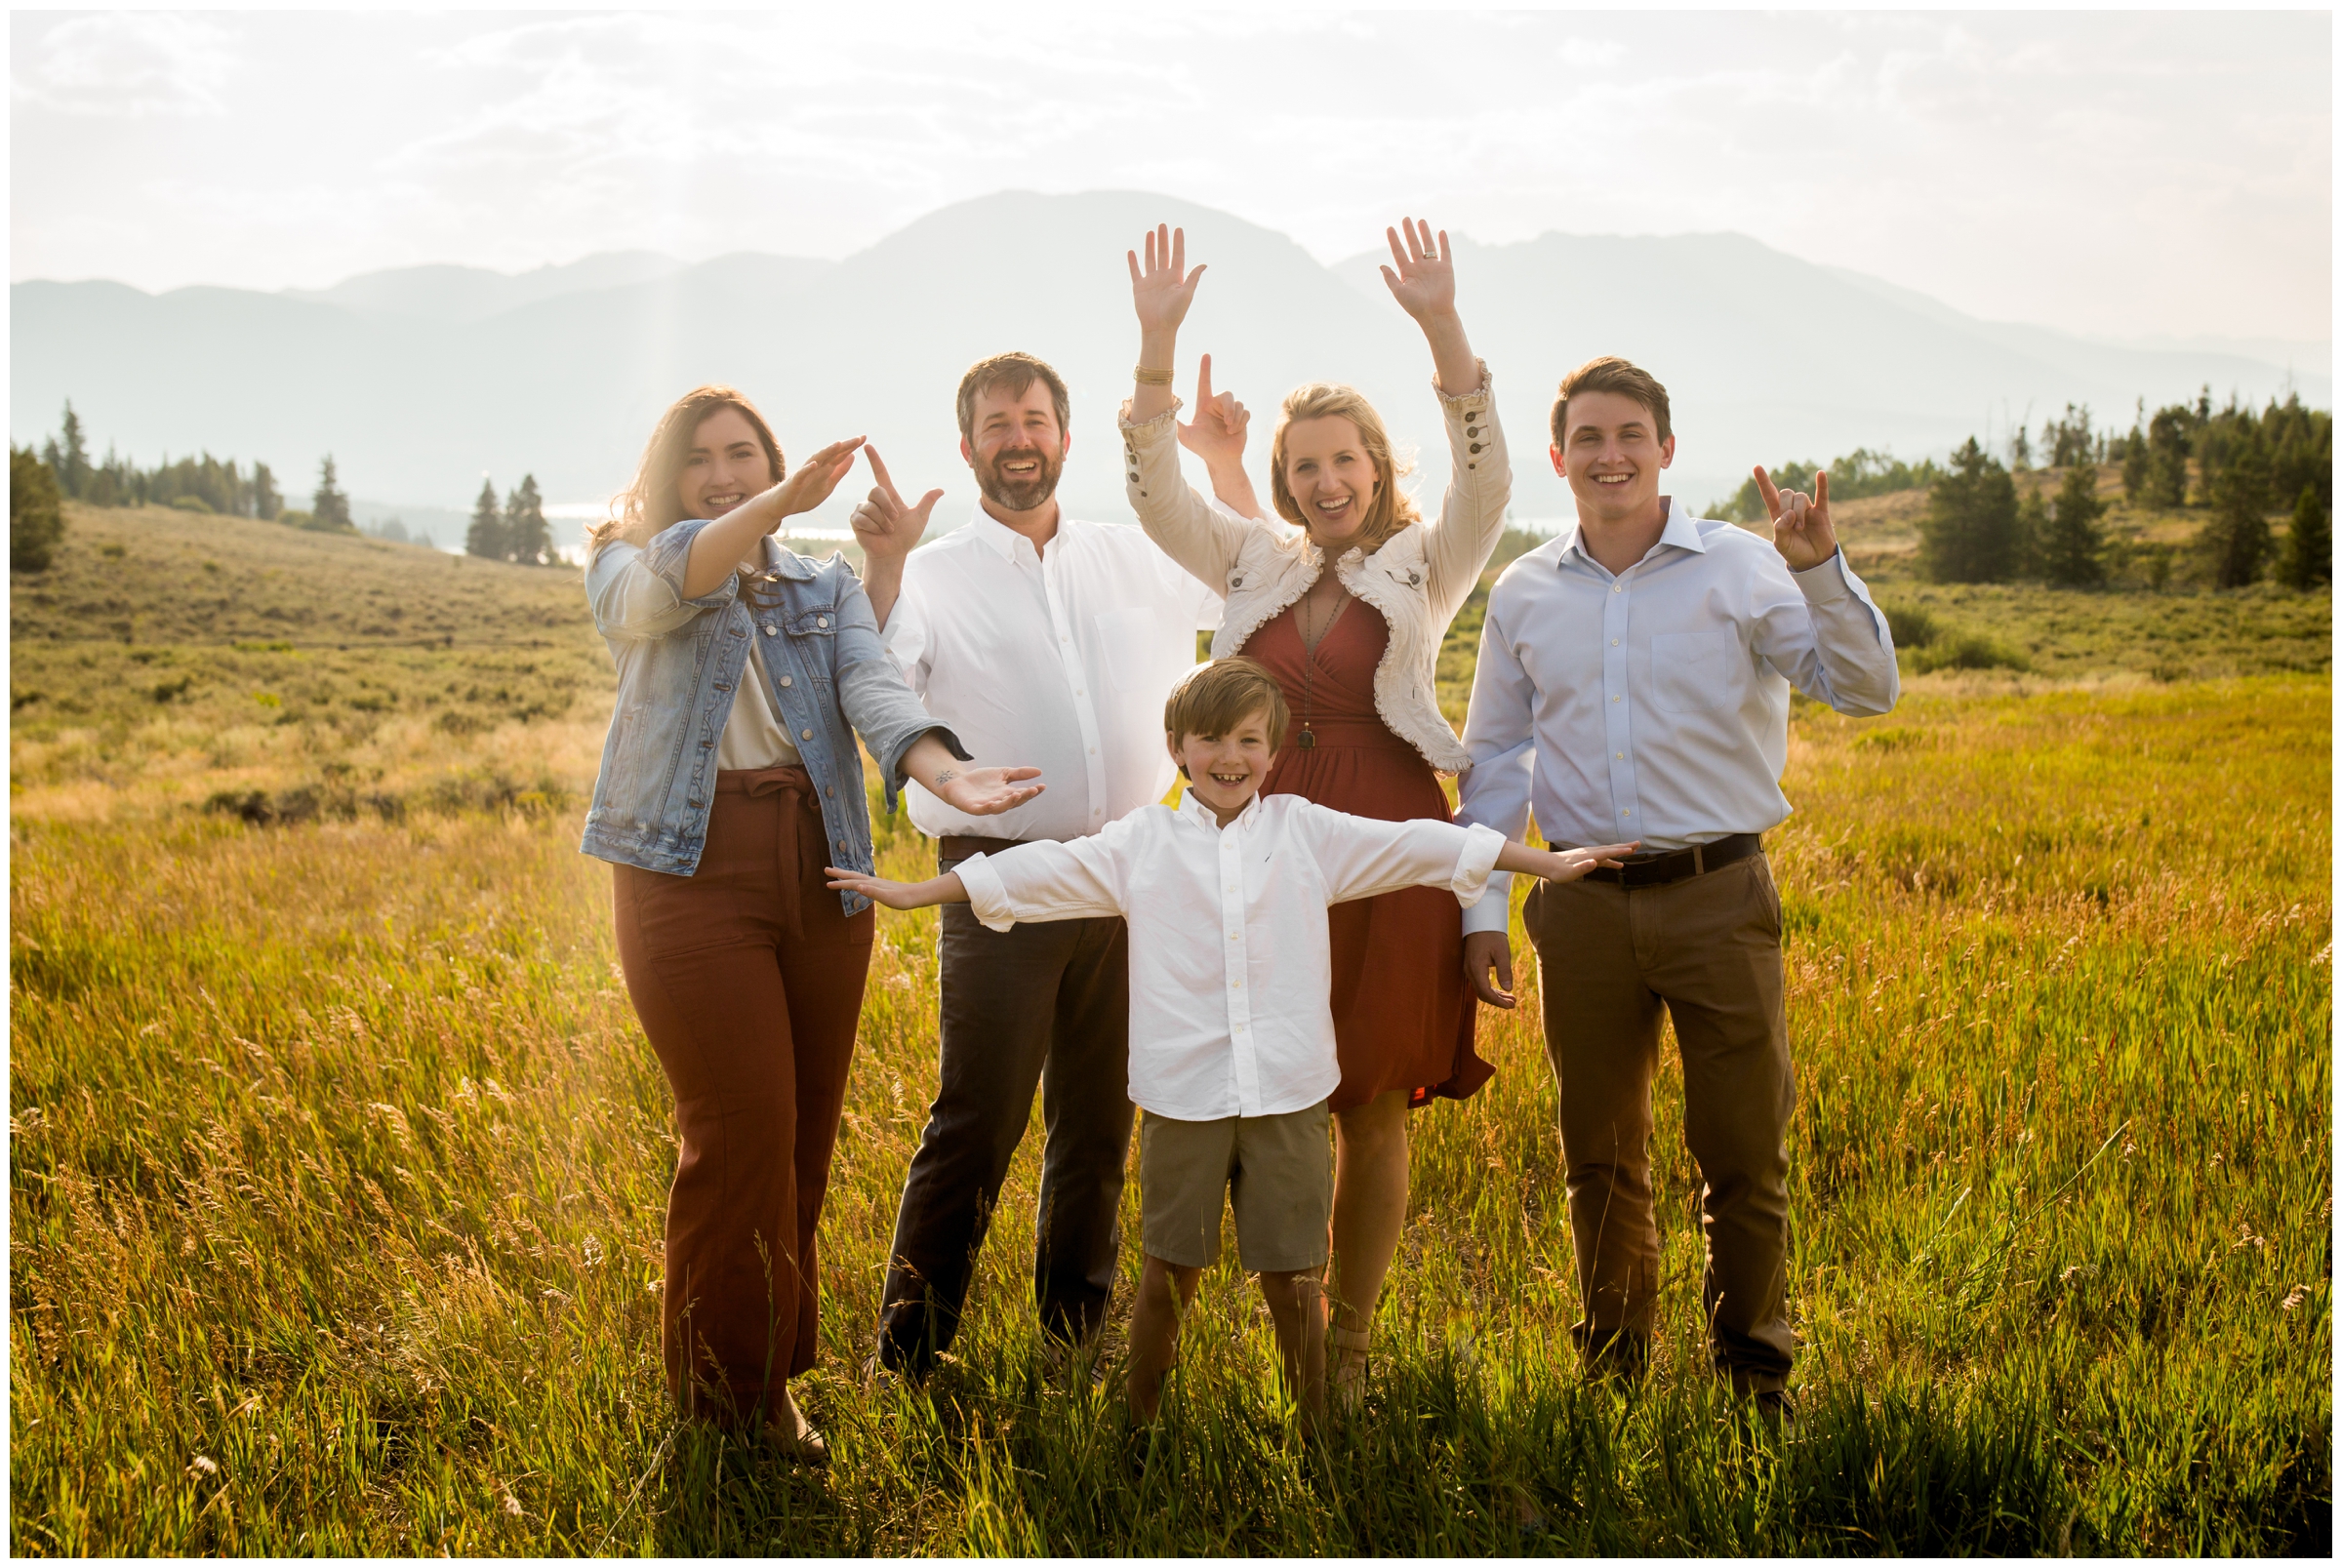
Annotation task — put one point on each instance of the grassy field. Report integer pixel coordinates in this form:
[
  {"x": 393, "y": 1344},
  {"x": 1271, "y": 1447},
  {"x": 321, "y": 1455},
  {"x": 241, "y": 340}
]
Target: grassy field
[{"x": 336, "y": 1156}]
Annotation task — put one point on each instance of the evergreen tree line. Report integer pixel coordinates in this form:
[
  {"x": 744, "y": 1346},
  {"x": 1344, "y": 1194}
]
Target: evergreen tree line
[
  {"x": 515, "y": 531},
  {"x": 1859, "y": 473},
  {"x": 193, "y": 484},
  {"x": 2245, "y": 465}
]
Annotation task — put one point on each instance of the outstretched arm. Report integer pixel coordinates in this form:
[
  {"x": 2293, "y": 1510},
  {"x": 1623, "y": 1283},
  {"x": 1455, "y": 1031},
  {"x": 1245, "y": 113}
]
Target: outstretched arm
[
  {"x": 978, "y": 791},
  {"x": 1161, "y": 291},
  {"x": 1560, "y": 865},
  {"x": 1425, "y": 286},
  {"x": 1217, "y": 436},
  {"x": 717, "y": 549},
  {"x": 944, "y": 889}
]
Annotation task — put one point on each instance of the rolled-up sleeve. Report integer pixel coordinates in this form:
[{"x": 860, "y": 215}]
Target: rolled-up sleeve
[
  {"x": 1204, "y": 539},
  {"x": 638, "y": 592},
  {"x": 877, "y": 700}
]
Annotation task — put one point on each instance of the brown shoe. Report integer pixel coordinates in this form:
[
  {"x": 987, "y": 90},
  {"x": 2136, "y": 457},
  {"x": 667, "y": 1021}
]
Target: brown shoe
[{"x": 789, "y": 1435}]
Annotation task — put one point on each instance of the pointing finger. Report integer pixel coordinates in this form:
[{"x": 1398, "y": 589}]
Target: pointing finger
[
  {"x": 1821, "y": 490},
  {"x": 1203, "y": 383},
  {"x": 885, "y": 479},
  {"x": 1764, "y": 488}
]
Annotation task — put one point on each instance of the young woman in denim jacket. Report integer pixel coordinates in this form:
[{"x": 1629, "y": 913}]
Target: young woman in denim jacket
[{"x": 729, "y": 779}]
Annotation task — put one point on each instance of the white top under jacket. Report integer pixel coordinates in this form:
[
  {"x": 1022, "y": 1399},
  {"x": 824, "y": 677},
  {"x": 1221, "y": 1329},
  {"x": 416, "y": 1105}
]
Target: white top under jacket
[
  {"x": 1059, "y": 660},
  {"x": 1654, "y": 704},
  {"x": 1230, "y": 964},
  {"x": 1418, "y": 580}
]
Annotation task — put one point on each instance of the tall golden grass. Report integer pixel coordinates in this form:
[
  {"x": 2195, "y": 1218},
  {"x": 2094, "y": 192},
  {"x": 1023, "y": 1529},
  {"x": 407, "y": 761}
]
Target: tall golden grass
[{"x": 337, "y": 1162}]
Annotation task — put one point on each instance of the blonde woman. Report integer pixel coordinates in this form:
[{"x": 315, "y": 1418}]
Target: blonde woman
[
  {"x": 1347, "y": 616},
  {"x": 729, "y": 779}
]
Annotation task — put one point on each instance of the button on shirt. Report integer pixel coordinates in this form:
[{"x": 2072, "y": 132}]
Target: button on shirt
[
  {"x": 1654, "y": 704},
  {"x": 1059, "y": 660},
  {"x": 1230, "y": 964}
]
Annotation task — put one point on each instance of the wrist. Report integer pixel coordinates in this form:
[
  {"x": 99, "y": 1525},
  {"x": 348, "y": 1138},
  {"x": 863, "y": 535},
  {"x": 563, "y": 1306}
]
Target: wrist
[{"x": 1158, "y": 347}]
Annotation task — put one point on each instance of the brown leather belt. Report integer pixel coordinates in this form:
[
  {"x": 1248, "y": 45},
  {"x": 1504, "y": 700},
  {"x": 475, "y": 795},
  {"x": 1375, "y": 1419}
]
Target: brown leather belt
[
  {"x": 1680, "y": 864},
  {"x": 960, "y": 846}
]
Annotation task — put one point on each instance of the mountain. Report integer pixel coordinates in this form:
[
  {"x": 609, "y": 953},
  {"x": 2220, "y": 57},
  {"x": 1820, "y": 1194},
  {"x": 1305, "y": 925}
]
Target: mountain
[{"x": 419, "y": 381}]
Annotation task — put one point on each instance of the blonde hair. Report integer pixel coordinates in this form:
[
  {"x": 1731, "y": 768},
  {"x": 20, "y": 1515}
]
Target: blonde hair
[
  {"x": 649, "y": 505},
  {"x": 1213, "y": 698},
  {"x": 1391, "y": 510}
]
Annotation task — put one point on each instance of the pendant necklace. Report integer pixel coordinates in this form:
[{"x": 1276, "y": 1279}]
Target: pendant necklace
[{"x": 1308, "y": 739}]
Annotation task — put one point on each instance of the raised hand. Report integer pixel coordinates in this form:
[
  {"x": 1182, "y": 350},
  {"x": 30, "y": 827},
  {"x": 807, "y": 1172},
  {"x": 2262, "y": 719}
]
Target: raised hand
[
  {"x": 1217, "y": 433},
  {"x": 1801, "y": 528},
  {"x": 984, "y": 792},
  {"x": 1424, "y": 282},
  {"x": 815, "y": 478},
  {"x": 884, "y": 527},
  {"x": 1163, "y": 287}
]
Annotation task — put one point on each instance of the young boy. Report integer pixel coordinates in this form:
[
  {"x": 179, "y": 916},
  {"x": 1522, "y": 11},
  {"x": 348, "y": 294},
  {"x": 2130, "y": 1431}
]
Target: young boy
[{"x": 1232, "y": 1040}]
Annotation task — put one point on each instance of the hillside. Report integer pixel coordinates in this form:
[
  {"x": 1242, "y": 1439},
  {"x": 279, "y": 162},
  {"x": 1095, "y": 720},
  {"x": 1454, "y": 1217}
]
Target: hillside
[{"x": 419, "y": 381}]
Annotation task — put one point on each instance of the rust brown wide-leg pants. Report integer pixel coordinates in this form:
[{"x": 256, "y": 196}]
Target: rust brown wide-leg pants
[
  {"x": 748, "y": 976},
  {"x": 1708, "y": 950}
]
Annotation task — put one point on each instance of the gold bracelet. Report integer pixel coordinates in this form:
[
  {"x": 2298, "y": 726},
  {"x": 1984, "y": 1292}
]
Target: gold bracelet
[{"x": 1150, "y": 378}]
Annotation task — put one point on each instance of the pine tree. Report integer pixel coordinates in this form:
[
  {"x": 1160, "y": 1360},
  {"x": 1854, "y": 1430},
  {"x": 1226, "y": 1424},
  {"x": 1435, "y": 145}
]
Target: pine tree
[
  {"x": 2033, "y": 531},
  {"x": 2069, "y": 546},
  {"x": 70, "y": 459},
  {"x": 486, "y": 535},
  {"x": 2135, "y": 471},
  {"x": 2167, "y": 456},
  {"x": 527, "y": 536},
  {"x": 1969, "y": 534},
  {"x": 329, "y": 509},
  {"x": 37, "y": 518},
  {"x": 2237, "y": 539},
  {"x": 2310, "y": 547},
  {"x": 265, "y": 501}
]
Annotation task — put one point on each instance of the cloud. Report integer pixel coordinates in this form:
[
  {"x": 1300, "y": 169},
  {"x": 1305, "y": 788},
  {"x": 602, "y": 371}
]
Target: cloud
[{"x": 137, "y": 64}]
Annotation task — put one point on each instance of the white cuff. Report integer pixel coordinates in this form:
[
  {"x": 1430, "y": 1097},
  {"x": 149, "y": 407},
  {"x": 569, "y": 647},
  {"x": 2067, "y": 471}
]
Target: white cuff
[
  {"x": 987, "y": 897},
  {"x": 1494, "y": 912},
  {"x": 1156, "y": 427},
  {"x": 1825, "y": 583},
  {"x": 1473, "y": 862}
]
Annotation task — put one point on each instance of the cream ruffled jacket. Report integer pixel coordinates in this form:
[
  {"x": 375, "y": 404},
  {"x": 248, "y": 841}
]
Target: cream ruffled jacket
[{"x": 1418, "y": 580}]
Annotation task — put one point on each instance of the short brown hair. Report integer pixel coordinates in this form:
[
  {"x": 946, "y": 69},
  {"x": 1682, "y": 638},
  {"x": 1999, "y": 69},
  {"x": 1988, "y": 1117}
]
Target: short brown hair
[
  {"x": 1611, "y": 374},
  {"x": 1013, "y": 373},
  {"x": 1215, "y": 698}
]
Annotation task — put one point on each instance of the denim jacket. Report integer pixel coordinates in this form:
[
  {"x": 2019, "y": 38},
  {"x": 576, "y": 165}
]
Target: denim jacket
[{"x": 679, "y": 662}]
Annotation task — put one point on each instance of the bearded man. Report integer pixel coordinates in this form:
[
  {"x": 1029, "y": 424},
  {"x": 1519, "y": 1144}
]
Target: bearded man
[{"x": 1059, "y": 640}]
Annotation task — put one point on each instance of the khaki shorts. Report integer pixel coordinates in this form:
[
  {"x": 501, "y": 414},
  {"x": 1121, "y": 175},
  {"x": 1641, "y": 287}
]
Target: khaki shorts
[{"x": 1277, "y": 1172}]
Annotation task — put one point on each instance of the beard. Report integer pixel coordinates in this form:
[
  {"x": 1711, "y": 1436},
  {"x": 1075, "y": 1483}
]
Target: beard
[{"x": 1019, "y": 494}]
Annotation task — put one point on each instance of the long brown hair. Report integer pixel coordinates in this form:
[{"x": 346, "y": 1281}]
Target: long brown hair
[
  {"x": 648, "y": 507},
  {"x": 1391, "y": 510}
]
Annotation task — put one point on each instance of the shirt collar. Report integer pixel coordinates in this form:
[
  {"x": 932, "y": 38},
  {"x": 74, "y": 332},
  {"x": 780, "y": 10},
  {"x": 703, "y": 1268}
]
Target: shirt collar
[
  {"x": 1682, "y": 531},
  {"x": 1191, "y": 807},
  {"x": 1004, "y": 539}
]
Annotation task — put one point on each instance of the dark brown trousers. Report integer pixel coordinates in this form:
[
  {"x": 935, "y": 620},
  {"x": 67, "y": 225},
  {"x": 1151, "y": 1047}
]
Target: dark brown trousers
[
  {"x": 748, "y": 976},
  {"x": 1708, "y": 950}
]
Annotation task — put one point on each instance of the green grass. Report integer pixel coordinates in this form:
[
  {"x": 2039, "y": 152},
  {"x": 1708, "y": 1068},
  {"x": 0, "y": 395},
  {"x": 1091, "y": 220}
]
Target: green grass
[{"x": 337, "y": 1161}]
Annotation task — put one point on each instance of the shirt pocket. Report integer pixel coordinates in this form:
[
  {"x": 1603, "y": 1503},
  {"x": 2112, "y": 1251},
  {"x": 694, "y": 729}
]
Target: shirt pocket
[
  {"x": 813, "y": 641},
  {"x": 1137, "y": 651},
  {"x": 1696, "y": 671}
]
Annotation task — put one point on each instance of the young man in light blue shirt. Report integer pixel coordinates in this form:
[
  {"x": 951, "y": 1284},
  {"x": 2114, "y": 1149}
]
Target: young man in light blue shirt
[{"x": 1633, "y": 683}]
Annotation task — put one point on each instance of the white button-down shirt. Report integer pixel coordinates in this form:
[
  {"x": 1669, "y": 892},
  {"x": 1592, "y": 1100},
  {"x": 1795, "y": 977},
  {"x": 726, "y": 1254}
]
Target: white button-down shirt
[
  {"x": 1230, "y": 963},
  {"x": 1654, "y": 704},
  {"x": 1059, "y": 659}
]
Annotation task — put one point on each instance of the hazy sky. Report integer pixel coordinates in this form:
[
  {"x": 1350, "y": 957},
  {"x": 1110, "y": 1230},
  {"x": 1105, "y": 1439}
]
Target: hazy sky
[{"x": 2121, "y": 172}]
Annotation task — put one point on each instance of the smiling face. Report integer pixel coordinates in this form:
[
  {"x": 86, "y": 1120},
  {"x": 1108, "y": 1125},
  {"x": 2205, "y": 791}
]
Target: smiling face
[
  {"x": 1017, "y": 448},
  {"x": 1332, "y": 478},
  {"x": 1611, "y": 455},
  {"x": 1226, "y": 771},
  {"x": 726, "y": 465}
]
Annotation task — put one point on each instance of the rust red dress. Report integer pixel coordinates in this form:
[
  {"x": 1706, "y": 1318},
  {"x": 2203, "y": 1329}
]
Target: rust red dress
[{"x": 1403, "y": 1016}]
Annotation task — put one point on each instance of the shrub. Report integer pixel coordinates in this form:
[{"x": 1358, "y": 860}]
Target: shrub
[{"x": 36, "y": 515}]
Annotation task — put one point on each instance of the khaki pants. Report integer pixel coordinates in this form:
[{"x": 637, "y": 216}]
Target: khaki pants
[{"x": 1709, "y": 950}]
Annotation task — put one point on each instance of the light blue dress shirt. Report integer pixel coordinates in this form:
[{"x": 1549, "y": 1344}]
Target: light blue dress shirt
[{"x": 1654, "y": 704}]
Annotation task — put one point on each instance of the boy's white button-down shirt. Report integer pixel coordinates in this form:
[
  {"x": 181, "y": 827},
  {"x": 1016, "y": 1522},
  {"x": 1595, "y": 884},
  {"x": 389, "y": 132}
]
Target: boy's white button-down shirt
[
  {"x": 1230, "y": 963},
  {"x": 1654, "y": 704},
  {"x": 1059, "y": 660}
]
